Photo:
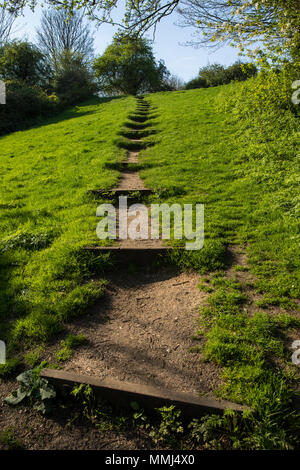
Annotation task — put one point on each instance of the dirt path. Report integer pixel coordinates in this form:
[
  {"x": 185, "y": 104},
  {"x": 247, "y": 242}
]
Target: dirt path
[
  {"x": 130, "y": 179},
  {"x": 142, "y": 333}
]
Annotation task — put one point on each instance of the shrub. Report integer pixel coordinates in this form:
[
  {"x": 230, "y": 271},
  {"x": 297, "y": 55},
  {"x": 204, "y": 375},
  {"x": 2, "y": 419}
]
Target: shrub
[
  {"x": 73, "y": 82},
  {"x": 196, "y": 83},
  {"x": 20, "y": 60},
  {"x": 24, "y": 103},
  {"x": 215, "y": 75}
]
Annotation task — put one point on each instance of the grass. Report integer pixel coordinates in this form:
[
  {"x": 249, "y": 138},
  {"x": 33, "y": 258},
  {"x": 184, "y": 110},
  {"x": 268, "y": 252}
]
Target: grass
[
  {"x": 250, "y": 196},
  {"x": 68, "y": 345},
  {"x": 46, "y": 217},
  {"x": 256, "y": 366},
  {"x": 9, "y": 441},
  {"x": 202, "y": 151},
  {"x": 247, "y": 181}
]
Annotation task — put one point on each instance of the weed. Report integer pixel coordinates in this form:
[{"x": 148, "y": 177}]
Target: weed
[
  {"x": 34, "y": 390},
  {"x": 71, "y": 343},
  {"x": 9, "y": 440},
  {"x": 33, "y": 357},
  {"x": 9, "y": 367},
  {"x": 170, "y": 428}
]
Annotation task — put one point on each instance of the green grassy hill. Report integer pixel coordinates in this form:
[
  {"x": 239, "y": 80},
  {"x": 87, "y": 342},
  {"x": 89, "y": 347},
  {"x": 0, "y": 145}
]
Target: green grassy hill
[
  {"x": 213, "y": 146},
  {"x": 248, "y": 180},
  {"x": 46, "y": 215}
]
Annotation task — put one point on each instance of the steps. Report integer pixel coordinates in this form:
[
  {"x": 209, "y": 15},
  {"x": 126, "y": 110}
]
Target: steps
[
  {"x": 129, "y": 251},
  {"x": 122, "y": 393}
]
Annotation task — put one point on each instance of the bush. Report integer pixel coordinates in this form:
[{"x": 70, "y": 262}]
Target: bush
[
  {"x": 196, "y": 83},
  {"x": 73, "y": 82},
  {"x": 215, "y": 75},
  {"x": 128, "y": 66},
  {"x": 268, "y": 96},
  {"x": 24, "y": 103},
  {"x": 240, "y": 72},
  {"x": 20, "y": 60}
]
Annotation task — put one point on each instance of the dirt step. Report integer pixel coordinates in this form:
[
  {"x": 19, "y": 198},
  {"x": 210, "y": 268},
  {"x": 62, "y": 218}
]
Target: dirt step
[
  {"x": 141, "y": 253},
  {"x": 123, "y": 393},
  {"x": 131, "y": 193}
]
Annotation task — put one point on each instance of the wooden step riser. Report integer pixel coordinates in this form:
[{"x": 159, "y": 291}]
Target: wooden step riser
[
  {"x": 132, "y": 195},
  {"x": 138, "y": 256},
  {"x": 123, "y": 393}
]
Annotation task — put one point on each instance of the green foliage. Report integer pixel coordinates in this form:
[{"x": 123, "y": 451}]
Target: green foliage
[
  {"x": 33, "y": 390},
  {"x": 215, "y": 75},
  {"x": 33, "y": 357},
  {"x": 271, "y": 25},
  {"x": 170, "y": 428},
  {"x": 84, "y": 394},
  {"x": 246, "y": 431},
  {"x": 9, "y": 367},
  {"x": 196, "y": 83},
  {"x": 128, "y": 66},
  {"x": 68, "y": 345},
  {"x": 73, "y": 82},
  {"x": 24, "y": 104},
  {"x": 9, "y": 440},
  {"x": 22, "y": 61}
]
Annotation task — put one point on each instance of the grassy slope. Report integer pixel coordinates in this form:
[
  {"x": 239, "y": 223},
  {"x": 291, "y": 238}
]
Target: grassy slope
[
  {"x": 46, "y": 215},
  {"x": 248, "y": 181},
  {"x": 202, "y": 154},
  {"x": 221, "y": 162}
]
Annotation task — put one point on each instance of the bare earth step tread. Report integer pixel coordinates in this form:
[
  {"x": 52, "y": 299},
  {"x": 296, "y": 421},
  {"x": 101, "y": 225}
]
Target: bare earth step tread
[
  {"x": 139, "y": 249},
  {"x": 121, "y": 392},
  {"x": 123, "y": 191}
]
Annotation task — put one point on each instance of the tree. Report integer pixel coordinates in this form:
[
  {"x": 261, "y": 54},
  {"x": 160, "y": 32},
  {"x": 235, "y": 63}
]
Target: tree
[
  {"x": 22, "y": 61},
  {"x": 173, "y": 83},
  {"x": 128, "y": 66},
  {"x": 240, "y": 71},
  {"x": 73, "y": 81},
  {"x": 196, "y": 83},
  {"x": 216, "y": 74},
  {"x": 6, "y": 23},
  {"x": 58, "y": 33},
  {"x": 241, "y": 22}
]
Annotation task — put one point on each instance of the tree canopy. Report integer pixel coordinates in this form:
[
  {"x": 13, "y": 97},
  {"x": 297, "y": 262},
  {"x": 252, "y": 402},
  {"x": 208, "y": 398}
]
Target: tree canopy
[
  {"x": 57, "y": 33},
  {"x": 128, "y": 66},
  {"x": 270, "y": 27},
  {"x": 6, "y": 23},
  {"x": 272, "y": 24},
  {"x": 21, "y": 60}
]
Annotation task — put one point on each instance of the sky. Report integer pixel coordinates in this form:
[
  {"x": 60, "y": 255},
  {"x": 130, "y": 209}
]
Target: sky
[{"x": 180, "y": 60}]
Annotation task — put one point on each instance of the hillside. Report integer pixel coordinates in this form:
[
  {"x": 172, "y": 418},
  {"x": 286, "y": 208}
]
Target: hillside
[
  {"x": 205, "y": 149},
  {"x": 46, "y": 214}
]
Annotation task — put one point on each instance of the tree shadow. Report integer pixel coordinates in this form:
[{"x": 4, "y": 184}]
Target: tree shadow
[{"x": 69, "y": 113}]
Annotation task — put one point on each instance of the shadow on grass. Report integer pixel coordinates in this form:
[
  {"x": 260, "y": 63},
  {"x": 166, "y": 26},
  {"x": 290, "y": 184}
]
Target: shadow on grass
[{"x": 69, "y": 113}]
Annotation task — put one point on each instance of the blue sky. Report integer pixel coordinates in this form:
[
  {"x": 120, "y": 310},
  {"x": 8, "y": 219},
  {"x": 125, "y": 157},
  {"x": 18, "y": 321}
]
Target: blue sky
[{"x": 182, "y": 61}]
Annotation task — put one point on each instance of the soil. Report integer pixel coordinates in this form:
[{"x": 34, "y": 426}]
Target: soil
[
  {"x": 142, "y": 333},
  {"x": 131, "y": 180},
  {"x": 60, "y": 432}
]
